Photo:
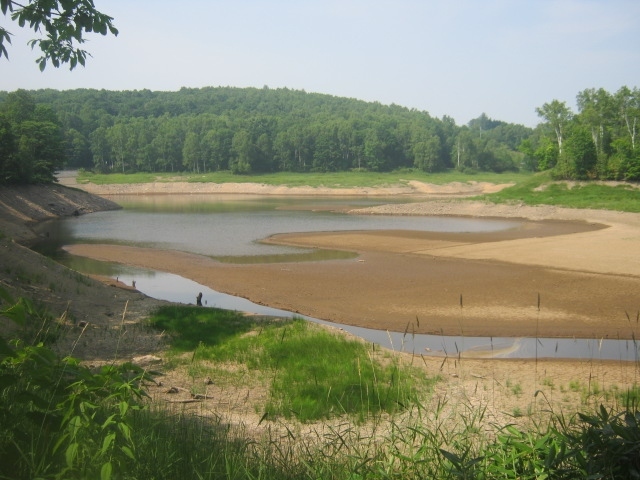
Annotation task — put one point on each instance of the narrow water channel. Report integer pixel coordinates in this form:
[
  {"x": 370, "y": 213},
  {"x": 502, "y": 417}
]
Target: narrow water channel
[{"x": 170, "y": 287}]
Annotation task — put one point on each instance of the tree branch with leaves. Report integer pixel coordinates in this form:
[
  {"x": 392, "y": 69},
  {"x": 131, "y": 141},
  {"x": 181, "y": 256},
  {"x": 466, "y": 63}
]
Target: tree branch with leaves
[{"x": 62, "y": 26}]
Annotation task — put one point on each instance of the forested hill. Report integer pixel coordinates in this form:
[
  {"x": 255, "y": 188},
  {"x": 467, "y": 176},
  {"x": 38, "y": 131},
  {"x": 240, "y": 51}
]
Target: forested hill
[
  {"x": 264, "y": 130},
  {"x": 250, "y": 130}
]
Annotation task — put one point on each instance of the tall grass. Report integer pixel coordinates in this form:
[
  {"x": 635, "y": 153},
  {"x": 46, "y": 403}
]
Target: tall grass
[{"x": 60, "y": 420}]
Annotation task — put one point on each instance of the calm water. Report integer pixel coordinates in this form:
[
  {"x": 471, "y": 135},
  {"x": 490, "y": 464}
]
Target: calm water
[
  {"x": 230, "y": 226},
  {"x": 225, "y": 226}
]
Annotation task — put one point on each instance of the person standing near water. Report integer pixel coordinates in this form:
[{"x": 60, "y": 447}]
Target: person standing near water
[{"x": 199, "y": 299}]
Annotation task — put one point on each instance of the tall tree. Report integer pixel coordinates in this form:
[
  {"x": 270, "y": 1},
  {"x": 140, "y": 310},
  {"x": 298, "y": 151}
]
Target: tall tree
[
  {"x": 243, "y": 151},
  {"x": 99, "y": 145},
  {"x": 465, "y": 150},
  {"x": 557, "y": 115},
  {"x": 41, "y": 149},
  {"x": 629, "y": 107},
  {"x": 119, "y": 137},
  {"x": 19, "y": 106},
  {"x": 78, "y": 154},
  {"x": 578, "y": 159},
  {"x": 427, "y": 153},
  {"x": 192, "y": 152},
  {"x": 37, "y": 147},
  {"x": 7, "y": 150},
  {"x": 596, "y": 111}
]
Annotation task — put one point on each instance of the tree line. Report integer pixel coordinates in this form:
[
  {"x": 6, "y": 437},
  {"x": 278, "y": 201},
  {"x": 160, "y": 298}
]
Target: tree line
[
  {"x": 599, "y": 142},
  {"x": 250, "y": 130}
]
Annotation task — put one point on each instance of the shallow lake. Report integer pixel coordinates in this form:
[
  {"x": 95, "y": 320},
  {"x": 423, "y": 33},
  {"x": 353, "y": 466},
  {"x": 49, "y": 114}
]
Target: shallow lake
[
  {"x": 230, "y": 226},
  {"x": 226, "y": 226}
]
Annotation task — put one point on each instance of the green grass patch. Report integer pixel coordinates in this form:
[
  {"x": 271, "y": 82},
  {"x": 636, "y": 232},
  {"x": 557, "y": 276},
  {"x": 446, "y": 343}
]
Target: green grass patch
[
  {"x": 314, "y": 374},
  {"x": 190, "y": 327},
  {"x": 629, "y": 398},
  {"x": 85, "y": 176},
  {"x": 541, "y": 190},
  {"x": 292, "y": 179}
]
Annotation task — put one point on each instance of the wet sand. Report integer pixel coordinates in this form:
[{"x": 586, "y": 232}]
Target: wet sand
[{"x": 556, "y": 278}]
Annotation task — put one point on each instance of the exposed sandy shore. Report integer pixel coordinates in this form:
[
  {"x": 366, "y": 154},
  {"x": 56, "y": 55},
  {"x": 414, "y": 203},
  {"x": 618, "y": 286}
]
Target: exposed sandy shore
[
  {"x": 584, "y": 265},
  {"x": 398, "y": 277},
  {"x": 454, "y": 189}
]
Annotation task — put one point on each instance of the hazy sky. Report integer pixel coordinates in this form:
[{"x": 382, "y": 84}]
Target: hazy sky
[{"x": 449, "y": 57}]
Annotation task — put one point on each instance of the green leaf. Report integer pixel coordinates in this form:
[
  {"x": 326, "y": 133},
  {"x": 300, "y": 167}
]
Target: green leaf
[
  {"x": 5, "y": 349},
  {"x": 108, "y": 422},
  {"x": 7, "y": 381},
  {"x": 60, "y": 441},
  {"x": 71, "y": 454},
  {"x": 106, "y": 471},
  {"x": 128, "y": 452},
  {"x": 107, "y": 442},
  {"x": 125, "y": 430},
  {"x": 17, "y": 312},
  {"x": 124, "y": 407},
  {"x": 452, "y": 457}
]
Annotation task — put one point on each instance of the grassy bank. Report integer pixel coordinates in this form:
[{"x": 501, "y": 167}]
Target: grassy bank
[
  {"x": 290, "y": 179},
  {"x": 541, "y": 190},
  {"x": 61, "y": 420},
  {"x": 529, "y": 189}
]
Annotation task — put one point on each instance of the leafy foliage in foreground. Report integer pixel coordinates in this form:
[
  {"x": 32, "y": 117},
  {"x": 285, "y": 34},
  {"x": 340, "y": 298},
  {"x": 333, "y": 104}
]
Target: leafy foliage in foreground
[
  {"x": 64, "y": 24},
  {"x": 58, "y": 420}
]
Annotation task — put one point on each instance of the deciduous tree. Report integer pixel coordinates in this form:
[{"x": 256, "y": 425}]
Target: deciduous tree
[
  {"x": 61, "y": 25},
  {"x": 557, "y": 115}
]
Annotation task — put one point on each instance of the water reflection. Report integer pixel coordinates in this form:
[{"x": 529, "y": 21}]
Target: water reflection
[
  {"x": 174, "y": 288},
  {"x": 229, "y": 227}
]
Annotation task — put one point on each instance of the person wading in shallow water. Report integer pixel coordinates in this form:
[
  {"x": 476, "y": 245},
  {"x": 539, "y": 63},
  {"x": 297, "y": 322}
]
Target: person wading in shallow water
[{"x": 199, "y": 299}]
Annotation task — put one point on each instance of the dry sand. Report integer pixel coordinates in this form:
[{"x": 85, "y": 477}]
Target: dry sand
[{"x": 582, "y": 266}]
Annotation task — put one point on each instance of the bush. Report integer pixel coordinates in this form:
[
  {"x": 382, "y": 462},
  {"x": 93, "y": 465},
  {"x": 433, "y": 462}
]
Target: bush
[{"x": 57, "y": 418}]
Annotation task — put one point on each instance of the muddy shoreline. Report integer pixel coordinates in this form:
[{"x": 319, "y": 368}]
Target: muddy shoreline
[{"x": 581, "y": 265}]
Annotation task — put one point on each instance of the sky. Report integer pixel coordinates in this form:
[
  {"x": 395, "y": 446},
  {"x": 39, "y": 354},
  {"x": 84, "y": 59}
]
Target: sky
[{"x": 459, "y": 58}]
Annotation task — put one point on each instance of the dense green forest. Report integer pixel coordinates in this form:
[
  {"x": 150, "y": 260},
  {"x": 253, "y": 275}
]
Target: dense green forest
[{"x": 249, "y": 130}]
